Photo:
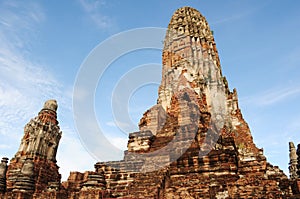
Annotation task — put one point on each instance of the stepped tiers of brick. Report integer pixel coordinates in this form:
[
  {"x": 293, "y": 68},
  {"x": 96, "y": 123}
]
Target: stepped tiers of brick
[{"x": 194, "y": 143}]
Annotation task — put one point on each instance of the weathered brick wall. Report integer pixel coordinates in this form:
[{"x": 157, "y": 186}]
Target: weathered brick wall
[{"x": 194, "y": 143}]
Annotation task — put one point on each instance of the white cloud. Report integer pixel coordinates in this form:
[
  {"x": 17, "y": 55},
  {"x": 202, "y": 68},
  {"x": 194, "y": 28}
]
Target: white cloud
[
  {"x": 248, "y": 10},
  {"x": 71, "y": 155},
  {"x": 272, "y": 96},
  {"x": 4, "y": 146},
  {"x": 119, "y": 142},
  {"x": 279, "y": 95},
  {"x": 25, "y": 85},
  {"x": 91, "y": 5},
  {"x": 92, "y": 8},
  {"x": 230, "y": 18},
  {"x": 111, "y": 123},
  {"x": 119, "y": 124}
]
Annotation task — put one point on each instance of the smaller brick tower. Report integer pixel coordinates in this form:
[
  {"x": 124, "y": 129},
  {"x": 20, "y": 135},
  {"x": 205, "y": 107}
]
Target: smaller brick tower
[
  {"x": 34, "y": 168},
  {"x": 298, "y": 160},
  {"x": 293, "y": 161},
  {"x": 3, "y": 169}
]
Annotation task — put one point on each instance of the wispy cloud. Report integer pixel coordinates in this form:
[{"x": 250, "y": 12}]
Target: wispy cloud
[
  {"x": 119, "y": 142},
  {"x": 92, "y": 8},
  {"x": 70, "y": 146},
  {"x": 117, "y": 124},
  {"x": 272, "y": 96},
  {"x": 230, "y": 18},
  {"x": 4, "y": 146},
  {"x": 242, "y": 13},
  {"x": 25, "y": 85}
]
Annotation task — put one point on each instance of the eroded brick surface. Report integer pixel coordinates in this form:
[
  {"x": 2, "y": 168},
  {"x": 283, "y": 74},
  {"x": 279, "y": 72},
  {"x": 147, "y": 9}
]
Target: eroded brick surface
[{"x": 194, "y": 143}]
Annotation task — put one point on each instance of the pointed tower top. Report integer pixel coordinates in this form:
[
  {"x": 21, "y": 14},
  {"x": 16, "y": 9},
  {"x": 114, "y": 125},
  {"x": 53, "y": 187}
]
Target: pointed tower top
[
  {"x": 48, "y": 113},
  {"x": 190, "y": 21},
  {"x": 50, "y": 105},
  {"x": 187, "y": 26}
]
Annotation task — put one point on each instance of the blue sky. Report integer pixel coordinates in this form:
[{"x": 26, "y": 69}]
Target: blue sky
[{"x": 43, "y": 44}]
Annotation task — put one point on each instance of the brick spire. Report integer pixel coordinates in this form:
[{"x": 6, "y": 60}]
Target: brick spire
[{"x": 34, "y": 165}]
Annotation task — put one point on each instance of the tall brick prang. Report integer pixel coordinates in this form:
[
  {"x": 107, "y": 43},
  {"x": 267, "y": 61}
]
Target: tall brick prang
[{"x": 193, "y": 143}]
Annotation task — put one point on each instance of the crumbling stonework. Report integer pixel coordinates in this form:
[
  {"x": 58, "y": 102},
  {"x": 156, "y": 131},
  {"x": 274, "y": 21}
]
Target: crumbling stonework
[
  {"x": 293, "y": 162},
  {"x": 194, "y": 143},
  {"x": 298, "y": 160},
  {"x": 3, "y": 170},
  {"x": 34, "y": 169}
]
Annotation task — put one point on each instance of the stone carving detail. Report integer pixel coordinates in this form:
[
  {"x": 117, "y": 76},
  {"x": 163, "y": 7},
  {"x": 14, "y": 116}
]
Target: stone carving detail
[
  {"x": 34, "y": 165},
  {"x": 42, "y": 134},
  {"x": 293, "y": 161}
]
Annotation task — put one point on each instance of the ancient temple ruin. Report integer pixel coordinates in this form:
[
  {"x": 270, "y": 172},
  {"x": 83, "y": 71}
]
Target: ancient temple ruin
[
  {"x": 194, "y": 143},
  {"x": 33, "y": 169},
  {"x": 293, "y": 168}
]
